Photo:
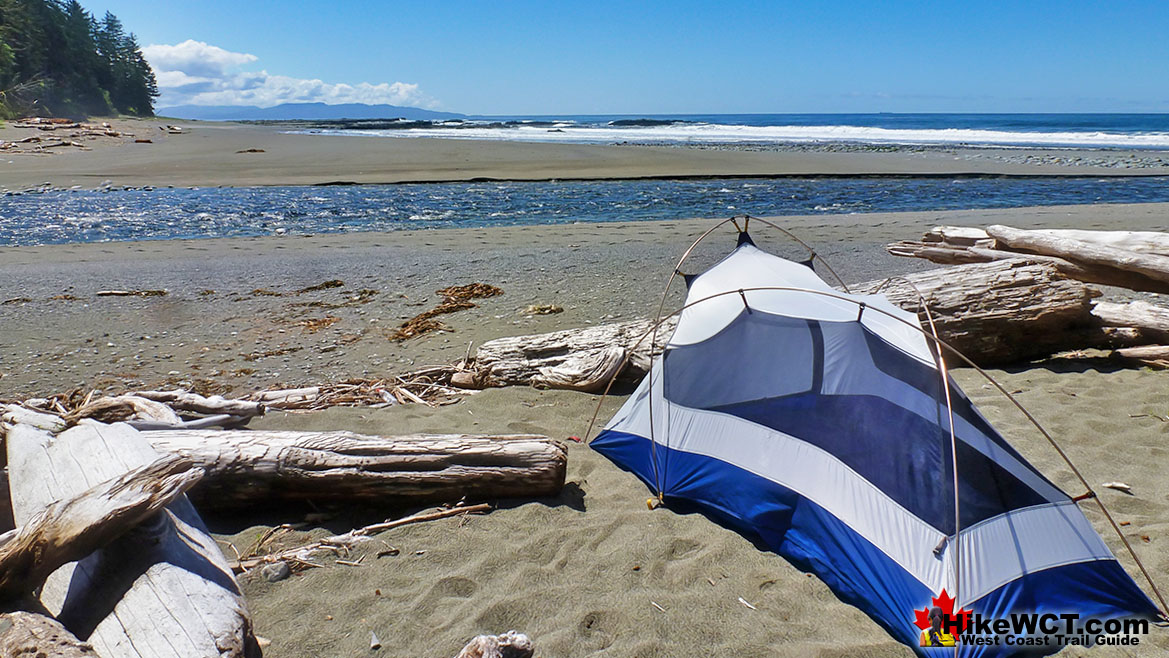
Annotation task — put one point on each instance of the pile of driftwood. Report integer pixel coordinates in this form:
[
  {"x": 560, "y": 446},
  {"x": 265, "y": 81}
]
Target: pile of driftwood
[
  {"x": 1136, "y": 260},
  {"x": 1010, "y": 296},
  {"x": 106, "y": 546},
  {"x": 71, "y": 130}
]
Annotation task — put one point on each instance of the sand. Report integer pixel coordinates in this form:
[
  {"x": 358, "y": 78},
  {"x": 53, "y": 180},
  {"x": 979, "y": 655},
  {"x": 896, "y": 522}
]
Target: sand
[
  {"x": 580, "y": 573},
  {"x": 213, "y": 154}
]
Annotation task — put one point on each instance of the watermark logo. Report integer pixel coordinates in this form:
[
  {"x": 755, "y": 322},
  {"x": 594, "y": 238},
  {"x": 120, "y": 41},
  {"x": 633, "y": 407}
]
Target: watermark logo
[{"x": 942, "y": 627}]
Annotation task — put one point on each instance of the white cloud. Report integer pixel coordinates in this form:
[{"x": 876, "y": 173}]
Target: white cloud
[{"x": 197, "y": 73}]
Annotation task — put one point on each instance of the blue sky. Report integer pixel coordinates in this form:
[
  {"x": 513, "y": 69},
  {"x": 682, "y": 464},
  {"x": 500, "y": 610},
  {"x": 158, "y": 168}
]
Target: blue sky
[{"x": 662, "y": 57}]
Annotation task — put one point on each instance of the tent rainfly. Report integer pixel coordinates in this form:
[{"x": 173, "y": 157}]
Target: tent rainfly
[{"x": 817, "y": 420}]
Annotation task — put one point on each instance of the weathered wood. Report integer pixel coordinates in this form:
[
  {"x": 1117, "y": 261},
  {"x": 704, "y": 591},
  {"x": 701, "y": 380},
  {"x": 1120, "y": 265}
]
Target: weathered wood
[
  {"x": 124, "y": 407},
  {"x": 1148, "y": 242},
  {"x": 1145, "y": 242},
  {"x": 1151, "y": 320},
  {"x": 69, "y": 530},
  {"x": 949, "y": 255},
  {"x": 6, "y": 521},
  {"x": 162, "y": 590},
  {"x": 288, "y": 395},
  {"x": 998, "y": 312},
  {"x": 301, "y": 555},
  {"x": 1151, "y": 265},
  {"x": 37, "y": 636},
  {"x": 15, "y": 414},
  {"x": 181, "y": 400},
  {"x": 245, "y": 467},
  {"x": 964, "y": 236},
  {"x": 1156, "y": 356},
  {"x": 579, "y": 359}
]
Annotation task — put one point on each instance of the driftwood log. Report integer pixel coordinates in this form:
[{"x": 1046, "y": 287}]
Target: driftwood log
[
  {"x": 124, "y": 407},
  {"x": 999, "y": 312},
  {"x": 948, "y": 254},
  {"x": 995, "y": 313},
  {"x": 1156, "y": 356},
  {"x": 69, "y": 530},
  {"x": 1150, "y": 320},
  {"x": 246, "y": 467},
  {"x": 577, "y": 359},
  {"x": 163, "y": 589},
  {"x": 1145, "y": 242},
  {"x": 1100, "y": 257},
  {"x": 32, "y": 635},
  {"x": 180, "y": 400},
  {"x": 1153, "y": 266}
]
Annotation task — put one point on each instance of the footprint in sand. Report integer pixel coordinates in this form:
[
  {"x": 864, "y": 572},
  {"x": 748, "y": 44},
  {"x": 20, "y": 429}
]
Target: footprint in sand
[
  {"x": 455, "y": 587},
  {"x": 680, "y": 549}
]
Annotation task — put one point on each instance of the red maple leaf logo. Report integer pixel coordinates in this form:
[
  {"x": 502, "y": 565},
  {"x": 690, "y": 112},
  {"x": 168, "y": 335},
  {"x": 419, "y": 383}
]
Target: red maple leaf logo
[{"x": 943, "y": 601}]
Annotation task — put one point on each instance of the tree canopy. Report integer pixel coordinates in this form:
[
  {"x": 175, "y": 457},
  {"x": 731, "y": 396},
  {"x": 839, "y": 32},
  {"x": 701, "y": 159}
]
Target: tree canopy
[{"x": 56, "y": 59}]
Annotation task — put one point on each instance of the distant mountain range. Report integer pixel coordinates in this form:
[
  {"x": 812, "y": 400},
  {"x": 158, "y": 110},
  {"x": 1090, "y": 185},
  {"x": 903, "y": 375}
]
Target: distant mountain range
[{"x": 287, "y": 111}]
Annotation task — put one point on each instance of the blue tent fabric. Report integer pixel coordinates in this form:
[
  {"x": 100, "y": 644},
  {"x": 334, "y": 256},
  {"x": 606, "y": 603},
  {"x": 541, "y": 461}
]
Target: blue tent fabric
[{"x": 824, "y": 432}]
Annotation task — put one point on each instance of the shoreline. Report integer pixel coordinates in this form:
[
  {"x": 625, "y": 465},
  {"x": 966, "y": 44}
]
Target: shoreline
[
  {"x": 59, "y": 334},
  {"x": 212, "y": 154}
]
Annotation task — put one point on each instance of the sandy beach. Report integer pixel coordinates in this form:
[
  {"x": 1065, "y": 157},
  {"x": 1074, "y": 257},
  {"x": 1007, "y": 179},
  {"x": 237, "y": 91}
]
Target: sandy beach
[
  {"x": 233, "y": 154},
  {"x": 592, "y": 572}
]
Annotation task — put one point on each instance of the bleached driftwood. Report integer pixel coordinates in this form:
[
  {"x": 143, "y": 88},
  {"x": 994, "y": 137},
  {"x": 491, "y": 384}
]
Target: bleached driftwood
[
  {"x": 33, "y": 635},
  {"x": 1147, "y": 242},
  {"x": 245, "y": 467},
  {"x": 1156, "y": 356},
  {"x": 508, "y": 645},
  {"x": 1150, "y": 320},
  {"x": 1154, "y": 266},
  {"x": 15, "y": 414},
  {"x": 578, "y": 359},
  {"x": 162, "y": 590},
  {"x": 124, "y": 407},
  {"x": 945, "y": 254},
  {"x": 998, "y": 312},
  {"x": 70, "y": 529},
  {"x": 963, "y": 236},
  {"x": 302, "y": 555},
  {"x": 181, "y": 400},
  {"x": 288, "y": 395}
]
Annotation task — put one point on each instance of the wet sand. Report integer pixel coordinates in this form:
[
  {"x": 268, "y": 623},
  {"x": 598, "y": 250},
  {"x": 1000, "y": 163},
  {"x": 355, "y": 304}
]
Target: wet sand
[
  {"x": 580, "y": 573},
  {"x": 231, "y": 154}
]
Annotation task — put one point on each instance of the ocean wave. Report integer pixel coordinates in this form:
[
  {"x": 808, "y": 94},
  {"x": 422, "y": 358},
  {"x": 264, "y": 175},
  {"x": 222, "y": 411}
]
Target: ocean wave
[
  {"x": 645, "y": 123},
  {"x": 683, "y": 132}
]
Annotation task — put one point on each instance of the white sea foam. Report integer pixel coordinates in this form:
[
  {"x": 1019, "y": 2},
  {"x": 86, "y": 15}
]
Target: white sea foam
[{"x": 707, "y": 133}]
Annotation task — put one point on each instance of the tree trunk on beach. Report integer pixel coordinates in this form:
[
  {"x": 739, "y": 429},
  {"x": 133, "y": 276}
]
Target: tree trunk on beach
[
  {"x": 71, "y": 529},
  {"x": 998, "y": 312},
  {"x": 246, "y": 467},
  {"x": 994, "y": 313},
  {"x": 1153, "y": 266},
  {"x": 946, "y": 254},
  {"x": 1150, "y": 320},
  {"x": 161, "y": 590},
  {"x": 576, "y": 359}
]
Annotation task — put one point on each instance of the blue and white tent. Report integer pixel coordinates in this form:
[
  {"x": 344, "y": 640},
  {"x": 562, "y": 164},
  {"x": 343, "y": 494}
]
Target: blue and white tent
[{"x": 817, "y": 420}]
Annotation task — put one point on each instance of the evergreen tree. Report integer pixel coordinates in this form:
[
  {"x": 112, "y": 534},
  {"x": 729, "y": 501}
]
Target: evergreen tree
[{"x": 56, "y": 59}]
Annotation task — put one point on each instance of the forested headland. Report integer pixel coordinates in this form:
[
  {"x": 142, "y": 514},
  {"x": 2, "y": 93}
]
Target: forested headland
[{"x": 57, "y": 59}]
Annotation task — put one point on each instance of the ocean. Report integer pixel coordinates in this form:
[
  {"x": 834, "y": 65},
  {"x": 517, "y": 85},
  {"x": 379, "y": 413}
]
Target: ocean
[
  {"x": 62, "y": 216},
  {"x": 1111, "y": 131}
]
